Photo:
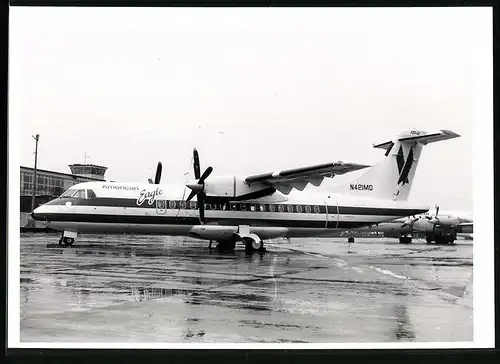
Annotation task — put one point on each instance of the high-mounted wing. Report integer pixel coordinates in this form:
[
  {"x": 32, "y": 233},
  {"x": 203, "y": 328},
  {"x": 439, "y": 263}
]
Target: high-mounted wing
[{"x": 285, "y": 181}]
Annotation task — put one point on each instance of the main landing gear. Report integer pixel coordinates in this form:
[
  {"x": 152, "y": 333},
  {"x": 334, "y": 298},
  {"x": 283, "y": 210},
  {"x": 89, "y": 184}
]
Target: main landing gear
[
  {"x": 251, "y": 245},
  {"x": 405, "y": 239},
  {"x": 225, "y": 245},
  {"x": 441, "y": 239},
  {"x": 254, "y": 245}
]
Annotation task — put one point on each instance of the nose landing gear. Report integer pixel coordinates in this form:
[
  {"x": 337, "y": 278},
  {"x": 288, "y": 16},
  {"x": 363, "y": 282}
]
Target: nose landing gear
[{"x": 68, "y": 238}]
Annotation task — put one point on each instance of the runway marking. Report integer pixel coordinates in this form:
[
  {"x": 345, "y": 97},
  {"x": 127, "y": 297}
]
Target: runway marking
[{"x": 387, "y": 272}]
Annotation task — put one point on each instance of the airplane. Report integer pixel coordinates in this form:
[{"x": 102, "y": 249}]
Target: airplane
[
  {"x": 249, "y": 209},
  {"x": 442, "y": 228}
]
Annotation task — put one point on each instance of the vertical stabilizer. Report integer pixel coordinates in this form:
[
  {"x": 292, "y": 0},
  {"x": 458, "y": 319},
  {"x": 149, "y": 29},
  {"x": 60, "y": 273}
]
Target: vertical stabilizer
[{"x": 392, "y": 177}]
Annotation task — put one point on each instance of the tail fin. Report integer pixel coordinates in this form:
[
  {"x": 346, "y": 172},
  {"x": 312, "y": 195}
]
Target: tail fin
[{"x": 392, "y": 177}]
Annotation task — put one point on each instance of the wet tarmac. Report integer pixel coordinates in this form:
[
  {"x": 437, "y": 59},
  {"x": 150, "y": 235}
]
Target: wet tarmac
[{"x": 176, "y": 290}]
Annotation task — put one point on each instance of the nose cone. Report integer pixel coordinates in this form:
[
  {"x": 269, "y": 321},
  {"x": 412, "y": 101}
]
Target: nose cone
[
  {"x": 35, "y": 214},
  {"x": 195, "y": 186}
]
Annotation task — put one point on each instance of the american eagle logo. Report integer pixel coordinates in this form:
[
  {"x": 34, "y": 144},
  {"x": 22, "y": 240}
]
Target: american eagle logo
[{"x": 404, "y": 167}]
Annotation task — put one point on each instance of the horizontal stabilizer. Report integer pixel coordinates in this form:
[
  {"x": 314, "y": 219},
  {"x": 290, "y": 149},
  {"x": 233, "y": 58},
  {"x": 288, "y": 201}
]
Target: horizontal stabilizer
[
  {"x": 420, "y": 137},
  {"x": 430, "y": 138}
]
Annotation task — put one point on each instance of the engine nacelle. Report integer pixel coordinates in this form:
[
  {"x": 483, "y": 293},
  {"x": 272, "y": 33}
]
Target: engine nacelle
[
  {"x": 230, "y": 186},
  {"x": 448, "y": 221},
  {"x": 213, "y": 232}
]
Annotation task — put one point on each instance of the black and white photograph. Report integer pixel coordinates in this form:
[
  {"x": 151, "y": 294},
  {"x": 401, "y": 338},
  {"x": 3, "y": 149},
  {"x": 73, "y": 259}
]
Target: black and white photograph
[{"x": 250, "y": 178}]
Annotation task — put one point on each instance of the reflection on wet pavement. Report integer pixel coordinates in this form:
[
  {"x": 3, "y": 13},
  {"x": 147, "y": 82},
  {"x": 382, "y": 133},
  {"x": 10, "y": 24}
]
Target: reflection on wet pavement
[{"x": 162, "y": 289}]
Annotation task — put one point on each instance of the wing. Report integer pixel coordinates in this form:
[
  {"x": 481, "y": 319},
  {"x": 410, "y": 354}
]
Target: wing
[{"x": 285, "y": 181}]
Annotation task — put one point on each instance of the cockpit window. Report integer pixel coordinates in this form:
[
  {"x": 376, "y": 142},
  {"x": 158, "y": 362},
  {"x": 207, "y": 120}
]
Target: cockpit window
[
  {"x": 68, "y": 193},
  {"x": 91, "y": 194},
  {"x": 80, "y": 194}
]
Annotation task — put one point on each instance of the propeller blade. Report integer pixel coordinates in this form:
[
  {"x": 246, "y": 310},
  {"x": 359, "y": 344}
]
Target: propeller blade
[
  {"x": 205, "y": 175},
  {"x": 196, "y": 164},
  {"x": 437, "y": 210},
  {"x": 158, "y": 173},
  {"x": 201, "y": 206},
  {"x": 191, "y": 195}
]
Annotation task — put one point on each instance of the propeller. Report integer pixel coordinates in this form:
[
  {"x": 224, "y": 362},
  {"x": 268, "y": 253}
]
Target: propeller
[
  {"x": 197, "y": 188},
  {"x": 158, "y": 175},
  {"x": 434, "y": 220},
  {"x": 410, "y": 221}
]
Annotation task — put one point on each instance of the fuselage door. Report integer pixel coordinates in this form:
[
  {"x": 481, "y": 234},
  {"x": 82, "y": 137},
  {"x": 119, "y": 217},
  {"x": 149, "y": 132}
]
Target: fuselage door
[
  {"x": 332, "y": 212},
  {"x": 161, "y": 206}
]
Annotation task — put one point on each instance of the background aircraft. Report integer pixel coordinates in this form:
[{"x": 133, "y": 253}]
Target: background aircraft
[{"x": 442, "y": 227}]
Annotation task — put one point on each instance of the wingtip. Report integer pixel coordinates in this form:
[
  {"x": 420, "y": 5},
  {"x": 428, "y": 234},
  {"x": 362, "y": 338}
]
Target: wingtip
[{"x": 450, "y": 133}]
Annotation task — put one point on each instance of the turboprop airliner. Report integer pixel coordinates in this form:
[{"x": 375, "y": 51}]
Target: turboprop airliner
[
  {"x": 248, "y": 209},
  {"x": 441, "y": 227}
]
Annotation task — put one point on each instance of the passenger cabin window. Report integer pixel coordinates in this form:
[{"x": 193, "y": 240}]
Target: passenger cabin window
[{"x": 91, "y": 195}]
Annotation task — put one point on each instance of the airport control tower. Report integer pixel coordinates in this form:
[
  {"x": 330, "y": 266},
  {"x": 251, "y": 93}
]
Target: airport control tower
[{"x": 88, "y": 170}]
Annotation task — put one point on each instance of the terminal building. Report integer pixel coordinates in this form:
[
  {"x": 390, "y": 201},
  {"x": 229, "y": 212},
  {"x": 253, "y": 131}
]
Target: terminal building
[{"x": 51, "y": 184}]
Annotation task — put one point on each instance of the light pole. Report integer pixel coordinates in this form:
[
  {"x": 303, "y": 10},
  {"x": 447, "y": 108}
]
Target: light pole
[{"x": 34, "y": 176}]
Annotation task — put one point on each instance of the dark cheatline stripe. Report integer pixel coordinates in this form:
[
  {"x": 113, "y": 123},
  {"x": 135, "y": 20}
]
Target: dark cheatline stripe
[
  {"x": 167, "y": 220},
  {"x": 321, "y": 209}
]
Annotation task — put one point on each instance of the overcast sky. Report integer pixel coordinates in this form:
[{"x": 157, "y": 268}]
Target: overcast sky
[{"x": 254, "y": 90}]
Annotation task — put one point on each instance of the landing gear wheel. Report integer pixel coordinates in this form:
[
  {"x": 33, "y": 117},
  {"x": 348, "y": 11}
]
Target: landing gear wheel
[
  {"x": 441, "y": 240},
  {"x": 226, "y": 245},
  {"x": 428, "y": 238},
  {"x": 405, "y": 240},
  {"x": 257, "y": 245},
  {"x": 254, "y": 245},
  {"x": 350, "y": 240},
  {"x": 68, "y": 241}
]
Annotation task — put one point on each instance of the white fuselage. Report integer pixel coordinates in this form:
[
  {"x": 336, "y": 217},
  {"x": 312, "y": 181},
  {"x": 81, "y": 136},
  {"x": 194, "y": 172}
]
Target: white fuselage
[{"x": 104, "y": 207}]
